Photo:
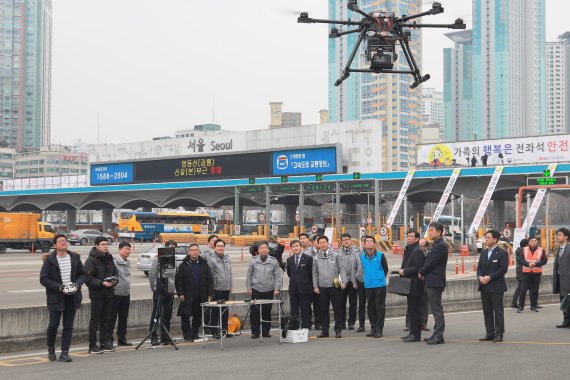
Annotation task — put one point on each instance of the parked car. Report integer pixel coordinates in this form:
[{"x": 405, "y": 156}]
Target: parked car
[
  {"x": 145, "y": 259},
  {"x": 84, "y": 237}
]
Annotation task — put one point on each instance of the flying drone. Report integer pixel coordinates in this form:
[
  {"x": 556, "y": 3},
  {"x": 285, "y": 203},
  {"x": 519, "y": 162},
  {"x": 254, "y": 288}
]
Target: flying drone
[{"x": 381, "y": 31}]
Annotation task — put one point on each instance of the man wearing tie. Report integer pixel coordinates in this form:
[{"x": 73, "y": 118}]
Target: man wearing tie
[
  {"x": 300, "y": 272},
  {"x": 561, "y": 274},
  {"x": 493, "y": 264}
]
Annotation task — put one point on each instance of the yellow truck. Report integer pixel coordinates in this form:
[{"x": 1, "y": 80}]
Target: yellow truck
[{"x": 24, "y": 230}]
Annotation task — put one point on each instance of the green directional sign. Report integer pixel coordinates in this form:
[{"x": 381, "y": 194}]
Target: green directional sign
[{"x": 547, "y": 181}]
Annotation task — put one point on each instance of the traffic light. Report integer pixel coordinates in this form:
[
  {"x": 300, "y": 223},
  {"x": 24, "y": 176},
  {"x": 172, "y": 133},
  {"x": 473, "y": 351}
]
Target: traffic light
[
  {"x": 356, "y": 175},
  {"x": 252, "y": 181},
  {"x": 284, "y": 179},
  {"x": 318, "y": 177}
]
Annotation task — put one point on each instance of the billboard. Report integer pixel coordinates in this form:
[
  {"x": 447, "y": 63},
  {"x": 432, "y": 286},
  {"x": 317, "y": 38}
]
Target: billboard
[
  {"x": 304, "y": 161},
  {"x": 523, "y": 150},
  {"x": 212, "y": 167}
]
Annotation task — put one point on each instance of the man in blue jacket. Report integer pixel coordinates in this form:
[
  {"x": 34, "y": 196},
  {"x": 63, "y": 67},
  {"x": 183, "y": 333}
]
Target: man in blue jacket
[
  {"x": 433, "y": 272},
  {"x": 374, "y": 268},
  {"x": 62, "y": 276},
  {"x": 493, "y": 264}
]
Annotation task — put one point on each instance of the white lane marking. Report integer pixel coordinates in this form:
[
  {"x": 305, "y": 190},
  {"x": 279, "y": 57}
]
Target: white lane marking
[{"x": 26, "y": 291}]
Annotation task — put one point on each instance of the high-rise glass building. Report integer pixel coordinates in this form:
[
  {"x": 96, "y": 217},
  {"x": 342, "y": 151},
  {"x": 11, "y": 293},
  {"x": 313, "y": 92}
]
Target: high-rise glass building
[
  {"x": 558, "y": 85},
  {"x": 509, "y": 68},
  {"x": 385, "y": 97},
  {"x": 25, "y": 64}
]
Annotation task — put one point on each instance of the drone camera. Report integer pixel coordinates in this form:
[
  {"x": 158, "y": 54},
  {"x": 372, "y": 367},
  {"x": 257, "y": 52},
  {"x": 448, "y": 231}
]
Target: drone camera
[
  {"x": 381, "y": 61},
  {"x": 303, "y": 18}
]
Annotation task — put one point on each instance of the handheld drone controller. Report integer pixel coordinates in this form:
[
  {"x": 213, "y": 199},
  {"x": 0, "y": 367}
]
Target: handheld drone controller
[
  {"x": 70, "y": 288},
  {"x": 112, "y": 279}
]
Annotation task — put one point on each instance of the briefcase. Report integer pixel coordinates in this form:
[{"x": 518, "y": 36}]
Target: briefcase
[
  {"x": 399, "y": 285},
  {"x": 565, "y": 304}
]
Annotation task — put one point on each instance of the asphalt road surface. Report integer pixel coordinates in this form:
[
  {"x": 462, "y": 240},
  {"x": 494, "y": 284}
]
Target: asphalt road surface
[
  {"x": 20, "y": 287},
  {"x": 533, "y": 349}
]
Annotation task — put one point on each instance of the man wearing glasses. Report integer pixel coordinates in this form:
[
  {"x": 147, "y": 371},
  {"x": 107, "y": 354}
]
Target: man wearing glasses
[
  {"x": 98, "y": 267},
  {"x": 493, "y": 265},
  {"x": 121, "y": 301},
  {"x": 194, "y": 285},
  {"x": 62, "y": 276}
]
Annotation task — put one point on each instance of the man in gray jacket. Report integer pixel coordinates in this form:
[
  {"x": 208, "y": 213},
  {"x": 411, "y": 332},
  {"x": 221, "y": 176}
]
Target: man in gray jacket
[
  {"x": 120, "y": 303},
  {"x": 328, "y": 276},
  {"x": 221, "y": 268},
  {"x": 208, "y": 251},
  {"x": 263, "y": 282},
  {"x": 348, "y": 253},
  {"x": 161, "y": 298}
]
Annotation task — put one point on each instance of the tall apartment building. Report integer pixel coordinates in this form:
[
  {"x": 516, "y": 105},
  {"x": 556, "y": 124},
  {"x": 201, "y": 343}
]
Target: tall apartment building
[
  {"x": 25, "y": 80},
  {"x": 509, "y": 68},
  {"x": 433, "y": 110},
  {"x": 385, "y": 97},
  {"x": 51, "y": 163},
  {"x": 558, "y": 85},
  {"x": 7, "y": 159}
]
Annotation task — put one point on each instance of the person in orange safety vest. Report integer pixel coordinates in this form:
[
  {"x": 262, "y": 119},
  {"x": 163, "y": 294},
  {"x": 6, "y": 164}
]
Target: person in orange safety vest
[{"x": 532, "y": 259}]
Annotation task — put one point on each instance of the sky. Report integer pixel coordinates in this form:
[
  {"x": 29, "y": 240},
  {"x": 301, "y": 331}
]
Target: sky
[{"x": 131, "y": 70}]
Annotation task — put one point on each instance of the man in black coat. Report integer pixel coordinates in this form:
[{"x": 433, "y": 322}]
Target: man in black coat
[
  {"x": 413, "y": 261},
  {"x": 194, "y": 285},
  {"x": 491, "y": 270},
  {"x": 434, "y": 274},
  {"x": 61, "y": 268},
  {"x": 99, "y": 266},
  {"x": 300, "y": 272}
]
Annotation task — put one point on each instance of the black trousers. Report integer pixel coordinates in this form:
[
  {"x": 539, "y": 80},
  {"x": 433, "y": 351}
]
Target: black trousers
[
  {"x": 215, "y": 313},
  {"x": 99, "y": 320},
  {"x": 414, "y": 311},
  {"x": 424, "y": 308},
  {"x": 301, "y": 302},
  {"x": 196, "y": 313},
  {"x": 515, "y": 301},
  {"x": 361, "y": 303},
  {"x": 265, "y": 311},
  {"x": 118, "y": 309},
  {"x": 316, "y": 301},
  {"x": 54, "y": 318},
  {"x": 351, "y": 295},
  {"x": 434, "y": 297},
  {"x": 330, "y": 296},
  {"x": 566, "y": 314},
  {"x": 493, "y": 312},
  {"x": 164, "y": 304},
  {"x": 531, "y": 283},
  {"x": 376, "y": 299}
]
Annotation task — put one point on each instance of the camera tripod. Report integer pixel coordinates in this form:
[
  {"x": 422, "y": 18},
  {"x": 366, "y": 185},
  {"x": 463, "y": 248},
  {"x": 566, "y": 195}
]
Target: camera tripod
[{"x": 162, "y": 292}]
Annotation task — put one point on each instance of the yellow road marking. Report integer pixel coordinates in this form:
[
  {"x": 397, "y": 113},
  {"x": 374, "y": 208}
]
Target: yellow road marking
[{"x": 23, "y": 361}]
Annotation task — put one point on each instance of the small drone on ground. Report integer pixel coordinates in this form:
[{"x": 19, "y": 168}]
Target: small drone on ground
[{"x": 382, "y": 30}]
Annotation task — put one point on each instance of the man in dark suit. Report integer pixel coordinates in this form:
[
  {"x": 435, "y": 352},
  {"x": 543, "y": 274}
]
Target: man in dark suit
[
  {"x": 433, "y": 272},
  {"x": 493, "y": 264},
  {"x": 413, "y": 261},
  {"x": 300, "y": 272},
  {"x": 561, "y": 271}
]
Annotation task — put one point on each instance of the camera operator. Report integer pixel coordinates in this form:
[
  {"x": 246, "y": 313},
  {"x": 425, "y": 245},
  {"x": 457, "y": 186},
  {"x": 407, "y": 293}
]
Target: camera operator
[
  {"x": 62, "y": 276},
  {"x": 161, "y": 300},
  {"x": 276, "y": 249},
  {"x": 99, "y": 267},
  {"x": 263, "y": 281}
]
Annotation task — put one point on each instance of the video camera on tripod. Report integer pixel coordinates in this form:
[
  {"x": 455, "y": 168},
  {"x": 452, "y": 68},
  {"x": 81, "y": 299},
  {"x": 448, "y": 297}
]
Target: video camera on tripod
[{"x": 166, "y": 258}]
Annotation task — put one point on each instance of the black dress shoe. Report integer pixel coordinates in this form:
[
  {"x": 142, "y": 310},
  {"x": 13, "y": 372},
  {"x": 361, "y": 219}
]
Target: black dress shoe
[
  {"x": 377, "y": 334},
  {"x": 487, "y": 338},
  {"x": 254, "y": 335},
  {"x": 436, "y": 341},
  {"x": 124, "y": 343},
  {"x": 405, "y": 336},
  {"x": 428, "y": 339},
  {"x": 497, "y": 339},
  {"x": 534, "y": 309},
  {"x": 412, "y": 338},
  {"x": 323, "y": 335},
  {"x": 64, "y": 357},
  {"x": 360, "y": 329},
  {"x": 563, "y": 325},
  {"x": 338, "y": 335},
  {"x": 371, "y": 334}
]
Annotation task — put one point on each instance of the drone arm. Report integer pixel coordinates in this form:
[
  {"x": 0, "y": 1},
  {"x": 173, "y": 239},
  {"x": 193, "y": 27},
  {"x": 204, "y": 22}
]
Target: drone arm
[
  {"x": 435, "y": 9},
  {"x": 458, "y": 24},
  {"x": 336, "y": 34},
  {"x": 305, "y": 19},
  {"x": 353, "y": 7},
  {"x": 346, "y": 72}
]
